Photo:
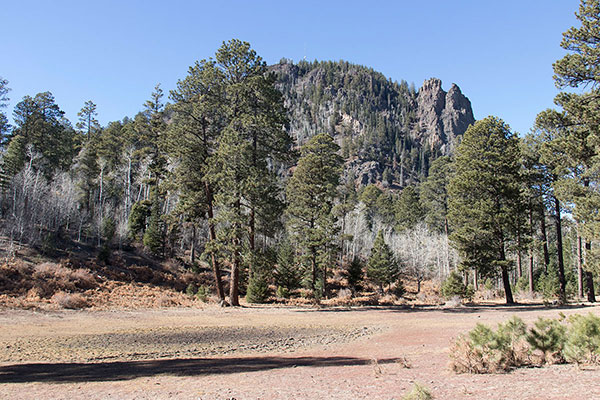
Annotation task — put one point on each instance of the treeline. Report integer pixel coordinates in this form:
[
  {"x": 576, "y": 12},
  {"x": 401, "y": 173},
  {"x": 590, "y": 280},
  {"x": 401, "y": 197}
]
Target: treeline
[{"x": 215, "y": 174}]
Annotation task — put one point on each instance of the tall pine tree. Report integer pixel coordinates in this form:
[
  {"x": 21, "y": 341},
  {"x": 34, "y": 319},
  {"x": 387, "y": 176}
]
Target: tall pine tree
[
  {"x": 311, "y": 192},
  {"x": 485, "y": 199}
]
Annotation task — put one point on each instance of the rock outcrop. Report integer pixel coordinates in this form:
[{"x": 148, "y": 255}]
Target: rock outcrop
[{"x": 442, "y": 116}]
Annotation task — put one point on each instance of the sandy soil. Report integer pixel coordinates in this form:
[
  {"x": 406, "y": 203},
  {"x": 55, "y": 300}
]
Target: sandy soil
[{"x": 264, "y": 353}]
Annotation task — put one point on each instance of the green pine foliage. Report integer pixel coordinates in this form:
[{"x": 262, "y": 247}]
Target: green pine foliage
[
  {"x": 513, "y": 344},
  {"x": 382, "y": 267},
  {"x": 154, "y": 233},
  {"x": 408, "y": 210},
  {"x": 548, "y": 336},
  {"x": 288, "y": 273},
  {"x": 583, "y": 339},
  {"x": 140, "y": 212},
  {"x": 354, "y": 274},
  {"x": 485, "y": 201},
  {"x": 453, "y": 285},
  {"x": 434, "y": 194},
  {"x": 311, "y": 192},
  {"x": 488, "y": 350}
]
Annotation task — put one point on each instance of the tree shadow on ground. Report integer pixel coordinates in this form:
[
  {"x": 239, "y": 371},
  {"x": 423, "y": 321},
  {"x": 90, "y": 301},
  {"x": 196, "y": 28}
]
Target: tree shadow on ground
[
  {"x": 463, "y": 309},
  {"x": 125, "y": 370}
]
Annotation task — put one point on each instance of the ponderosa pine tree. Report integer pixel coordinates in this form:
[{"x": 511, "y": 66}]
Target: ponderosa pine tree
[
  {"x": 4, "y": 125},
  {"x": 41, "y": 123},
  {"x": 580, "y": 68},
  {"x": 252, "y": 142},
  {"x": 382, "y": 267},
  {"x": 88, "y": 124},
  {"x": 547, "y": 141},
  {"x": 434, "y": 194},
  {"x": 408, "y": 210},
  {"x": 484, "y": 198},
  {"x": 536, "y": 179},
  {"x": 197, "y": 124},
  {"x": 311, "y": 192}
]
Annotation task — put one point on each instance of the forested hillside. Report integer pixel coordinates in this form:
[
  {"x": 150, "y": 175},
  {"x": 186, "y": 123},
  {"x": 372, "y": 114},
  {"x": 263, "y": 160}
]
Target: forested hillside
[{"x": 389, "y": 132}]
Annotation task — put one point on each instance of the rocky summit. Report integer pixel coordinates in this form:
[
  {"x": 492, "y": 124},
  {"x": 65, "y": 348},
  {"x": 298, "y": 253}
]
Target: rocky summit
[{"x": 389, "y": 132}]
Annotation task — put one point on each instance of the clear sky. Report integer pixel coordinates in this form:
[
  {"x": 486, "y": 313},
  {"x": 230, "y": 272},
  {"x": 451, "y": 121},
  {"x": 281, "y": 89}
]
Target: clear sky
[{"x": 500, "y": 53}]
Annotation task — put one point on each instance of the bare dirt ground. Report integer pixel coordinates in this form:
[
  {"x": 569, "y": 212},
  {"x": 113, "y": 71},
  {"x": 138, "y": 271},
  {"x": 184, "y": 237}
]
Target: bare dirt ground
[{"x": 265, "y": 353}]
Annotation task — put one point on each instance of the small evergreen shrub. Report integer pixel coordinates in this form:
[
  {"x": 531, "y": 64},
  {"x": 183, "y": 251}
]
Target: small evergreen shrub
[
  {"x": 140, "y": 211},
  {"x": 547, "y": 284},
  {"x": 202, "y": 293},
  {"x": 104, "y": 254},
  {"x": 258, "y": 289},
  {"x": 288, "y": 272},
  {"x": 522, "y": 285},
  {"x": 191, "y": 289},
  {"x": 547, "y": 336},
  {"x": 583, "y": 340},
  {"x": 399, "y": 289},
  {"x": 282, "y": 292},
  {"x": 454, "y": 286},
  {"x": 418, "y": 392},
  {"x": 354, "y": 274},
  {"x": 485, "y": 350}
]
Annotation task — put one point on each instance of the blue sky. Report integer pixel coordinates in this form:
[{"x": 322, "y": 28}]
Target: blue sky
[{"x": 114, "y": 52}]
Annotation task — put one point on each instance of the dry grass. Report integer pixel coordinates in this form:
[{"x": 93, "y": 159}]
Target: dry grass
[{"x": 73, "y": 301}]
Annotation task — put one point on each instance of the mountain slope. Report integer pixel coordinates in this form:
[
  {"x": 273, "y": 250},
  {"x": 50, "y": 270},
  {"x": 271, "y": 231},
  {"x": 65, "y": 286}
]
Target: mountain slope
[{"x": 388, "y": 131}]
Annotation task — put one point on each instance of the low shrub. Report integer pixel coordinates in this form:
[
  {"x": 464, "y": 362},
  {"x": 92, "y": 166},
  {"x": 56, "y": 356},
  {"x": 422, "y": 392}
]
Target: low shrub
[
  {"x": 258, "y": 289},
  {"x": 399, "y": 289},
  {"x": 583, "y": 340},
  {"x": 418, "y": 392},
  {"x": 72, "y": 301},
  {"x": 191, "y": 289},
  {"x": 549, "y": 337},
  {"x": 484, "y": 350},
  {"x": 454, "y": 286},
  {"x": 282, "y": 292},
  {"x": 203, "y": 293}
]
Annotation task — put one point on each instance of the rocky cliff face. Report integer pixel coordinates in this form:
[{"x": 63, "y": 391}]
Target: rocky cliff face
[
  {"x": 442, "y": 116},
  {"x": 384, "y": 128}
]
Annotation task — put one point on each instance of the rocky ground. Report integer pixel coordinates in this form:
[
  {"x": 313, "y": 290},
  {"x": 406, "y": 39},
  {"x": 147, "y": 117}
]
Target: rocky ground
[{"x": 265, "y": 353}]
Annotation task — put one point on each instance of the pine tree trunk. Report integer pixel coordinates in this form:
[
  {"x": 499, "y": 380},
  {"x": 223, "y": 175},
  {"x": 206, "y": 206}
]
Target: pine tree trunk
[
  {"x": 313, "y": 261},
  {"x": 213, "y": 237},
  {"x": 559, "y": 249},
  {"x": 234, "y": 297},
  {"x": 579, "y": 267},
  {"x": 324, "y": 294},
  {"x": 544, "y": 240},
  {"x": 251, "y": 240},
  {"x": 193, "y": 245},
  {"x": 447, "y": 231},
  {"x": 234, "y": 281},
  {"x": 531, "y": 249},
  {"x": 505, "y": 277},
  {"x": 519, "y": 260},
  {"x": 591, "y": 296}
]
